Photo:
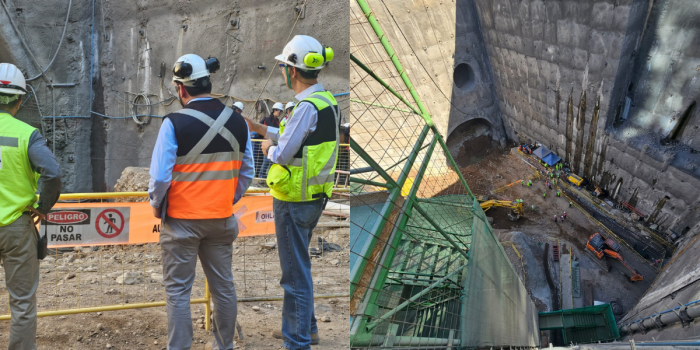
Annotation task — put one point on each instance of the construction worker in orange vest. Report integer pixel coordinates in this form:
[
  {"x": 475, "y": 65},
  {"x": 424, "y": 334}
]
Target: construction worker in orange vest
[{"x": 202, "y": 165}]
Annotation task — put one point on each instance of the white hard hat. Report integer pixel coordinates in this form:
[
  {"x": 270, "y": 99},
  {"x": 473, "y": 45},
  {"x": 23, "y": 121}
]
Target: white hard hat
[
  {"x": 306, "y": 53},
  {"x": 11, "y": 80},
  {"x": 191, "y": 67},
  {"x": 279, "y": 106},
  {"x": 238, "y": 105},
  {"x": 289, "y": 105}
]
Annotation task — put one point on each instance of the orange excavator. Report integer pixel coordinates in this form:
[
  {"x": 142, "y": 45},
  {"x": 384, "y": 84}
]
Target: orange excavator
[{"x": 601, "y": 246}]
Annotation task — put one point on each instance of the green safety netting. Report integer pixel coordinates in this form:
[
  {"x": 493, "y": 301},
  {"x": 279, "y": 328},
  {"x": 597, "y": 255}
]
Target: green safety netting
[{"x": 426, "y": 269}]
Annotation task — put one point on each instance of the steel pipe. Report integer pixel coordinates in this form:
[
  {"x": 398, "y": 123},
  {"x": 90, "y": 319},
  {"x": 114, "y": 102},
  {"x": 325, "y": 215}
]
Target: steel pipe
[{"x": 666, "y": 318}]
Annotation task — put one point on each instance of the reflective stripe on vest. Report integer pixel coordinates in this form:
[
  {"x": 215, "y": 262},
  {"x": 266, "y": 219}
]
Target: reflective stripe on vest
[
  {"x": 209, "y": 180},
  {"x": 311, "y": 173},
  {"x": 19, "y": 182}
]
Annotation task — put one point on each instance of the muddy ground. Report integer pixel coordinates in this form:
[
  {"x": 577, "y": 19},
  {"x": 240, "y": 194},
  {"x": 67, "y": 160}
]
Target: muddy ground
[
  {"x": 531, "y": 233},
  {"x": 113, "y": 275}
]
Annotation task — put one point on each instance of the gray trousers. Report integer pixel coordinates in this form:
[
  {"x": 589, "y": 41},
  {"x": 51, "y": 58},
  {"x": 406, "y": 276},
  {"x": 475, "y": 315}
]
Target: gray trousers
[
  {"x": 181, "y": 241},
  {"x": 18, "y": 253}
]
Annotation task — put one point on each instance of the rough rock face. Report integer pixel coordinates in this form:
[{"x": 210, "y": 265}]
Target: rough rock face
[{"x": 133, "y": 179}]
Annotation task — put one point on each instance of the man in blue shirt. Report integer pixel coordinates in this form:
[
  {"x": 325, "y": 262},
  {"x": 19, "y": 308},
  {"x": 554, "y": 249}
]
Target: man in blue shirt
[{"x": 202, "y": 165}]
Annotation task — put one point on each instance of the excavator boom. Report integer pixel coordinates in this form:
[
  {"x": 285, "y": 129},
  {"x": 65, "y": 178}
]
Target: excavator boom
[
  {"x": 516, "y": 206},
  {"x": 613, "y": 254}
]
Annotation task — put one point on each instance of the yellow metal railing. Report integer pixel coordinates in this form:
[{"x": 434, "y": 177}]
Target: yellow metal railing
[{"x": 93, "y": 287}]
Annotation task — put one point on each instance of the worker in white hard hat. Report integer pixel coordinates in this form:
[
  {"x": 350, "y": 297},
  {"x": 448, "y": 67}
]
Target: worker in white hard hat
[
  {"x": 272, "y": 120},
  {"x": 301, "y": 180},
  {"x": 287, "y": 113},
  {"x": 202, "y": 165},
  {"x": 288, "y": 108},
  {"x": 238, "y": 107},
  {"x": 24, "y": 158}
]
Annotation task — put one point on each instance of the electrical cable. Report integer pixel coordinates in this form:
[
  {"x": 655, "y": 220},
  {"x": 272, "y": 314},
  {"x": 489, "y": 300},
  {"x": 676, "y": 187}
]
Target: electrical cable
[
  {"x": 26, "y": 46},
  {"x": 53, "y": 131},
  {"x": 169, "y": 99},
  {"x": 60, "y": 43},
  {"x": 419, "y": 61},
  {"x": 38, "y": 107},
  {"x": 134, "y": 107}
]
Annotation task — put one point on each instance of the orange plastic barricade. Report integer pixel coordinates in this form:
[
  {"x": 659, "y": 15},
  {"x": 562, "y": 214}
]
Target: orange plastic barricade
[{"x": 90, "y": 224}]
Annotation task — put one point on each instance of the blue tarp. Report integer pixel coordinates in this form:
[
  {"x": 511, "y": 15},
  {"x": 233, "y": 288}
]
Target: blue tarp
[
  {"x": 542, "y": 152},
  {"x": 551, "y": 159}
]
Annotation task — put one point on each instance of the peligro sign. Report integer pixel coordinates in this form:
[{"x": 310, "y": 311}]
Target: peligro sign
[{"x": 67, "y": 217}]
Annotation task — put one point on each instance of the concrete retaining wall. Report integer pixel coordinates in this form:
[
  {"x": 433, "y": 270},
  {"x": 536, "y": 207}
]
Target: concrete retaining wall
[{"x": 131, "y": 41}]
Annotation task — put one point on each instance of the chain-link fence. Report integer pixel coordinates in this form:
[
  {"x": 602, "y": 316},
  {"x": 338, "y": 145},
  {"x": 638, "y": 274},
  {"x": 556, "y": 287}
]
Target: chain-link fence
[{"x": 426, "y": 270}]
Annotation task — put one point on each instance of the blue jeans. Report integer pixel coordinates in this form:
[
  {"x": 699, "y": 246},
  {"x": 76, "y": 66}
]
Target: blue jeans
[{"x": 294, "y": 224}]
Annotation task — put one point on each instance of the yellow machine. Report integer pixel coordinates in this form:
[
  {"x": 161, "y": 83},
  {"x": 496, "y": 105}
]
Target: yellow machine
[
  {"x": 574, "y": 179},
  {"x": 516, "y": 206},
  {"x": 481, "y": 198}
]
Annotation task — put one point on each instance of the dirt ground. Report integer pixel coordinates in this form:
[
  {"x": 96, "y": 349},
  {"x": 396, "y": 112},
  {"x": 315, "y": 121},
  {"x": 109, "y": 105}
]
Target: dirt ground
[
  {"x": 501, "y": 168},
  {"x": 95, "y": 276}
]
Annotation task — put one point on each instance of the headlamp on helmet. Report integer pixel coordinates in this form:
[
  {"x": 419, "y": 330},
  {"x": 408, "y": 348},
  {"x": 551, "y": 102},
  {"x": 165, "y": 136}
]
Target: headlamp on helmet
[
  {"x": 212, "y": 64},
  {"x": 184, "y": 68}
]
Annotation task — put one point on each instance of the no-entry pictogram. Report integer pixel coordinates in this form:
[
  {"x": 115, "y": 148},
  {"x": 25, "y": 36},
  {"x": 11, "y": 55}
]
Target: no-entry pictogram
[{"x": 109, "y": 223}]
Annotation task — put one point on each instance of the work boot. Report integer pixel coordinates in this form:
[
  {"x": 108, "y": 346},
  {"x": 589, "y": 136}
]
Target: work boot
[{"x": 314, "y": 337}]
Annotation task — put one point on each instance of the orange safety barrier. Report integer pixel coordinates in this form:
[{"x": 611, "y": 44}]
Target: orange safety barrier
[{"x": 110, "y": 223}]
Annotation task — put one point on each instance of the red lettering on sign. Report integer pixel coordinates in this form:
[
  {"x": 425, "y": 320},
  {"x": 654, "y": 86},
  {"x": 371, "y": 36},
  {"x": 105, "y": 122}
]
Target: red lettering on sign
[{"x": 66, "y": 217}]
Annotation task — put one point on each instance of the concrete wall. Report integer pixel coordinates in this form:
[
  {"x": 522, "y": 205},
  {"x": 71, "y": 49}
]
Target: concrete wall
[
  {"x": 132, "y": 39},
  {"x": 562, "y": 71},
  {"x": 41, "y": 24}
]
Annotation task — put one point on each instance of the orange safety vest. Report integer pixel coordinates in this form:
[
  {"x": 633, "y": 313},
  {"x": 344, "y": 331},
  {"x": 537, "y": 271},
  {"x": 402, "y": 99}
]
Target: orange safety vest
[{"x": 209, "y": 156}]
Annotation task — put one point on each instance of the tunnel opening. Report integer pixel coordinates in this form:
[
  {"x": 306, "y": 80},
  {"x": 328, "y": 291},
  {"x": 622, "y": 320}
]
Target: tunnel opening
[
  {"x": 471, "y": 142},
  {"x": 464, "y": 77}
]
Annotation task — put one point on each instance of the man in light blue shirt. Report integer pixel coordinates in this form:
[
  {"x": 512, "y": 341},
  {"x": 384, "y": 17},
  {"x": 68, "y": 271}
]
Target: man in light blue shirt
[{"x": 202, "y": 165}]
